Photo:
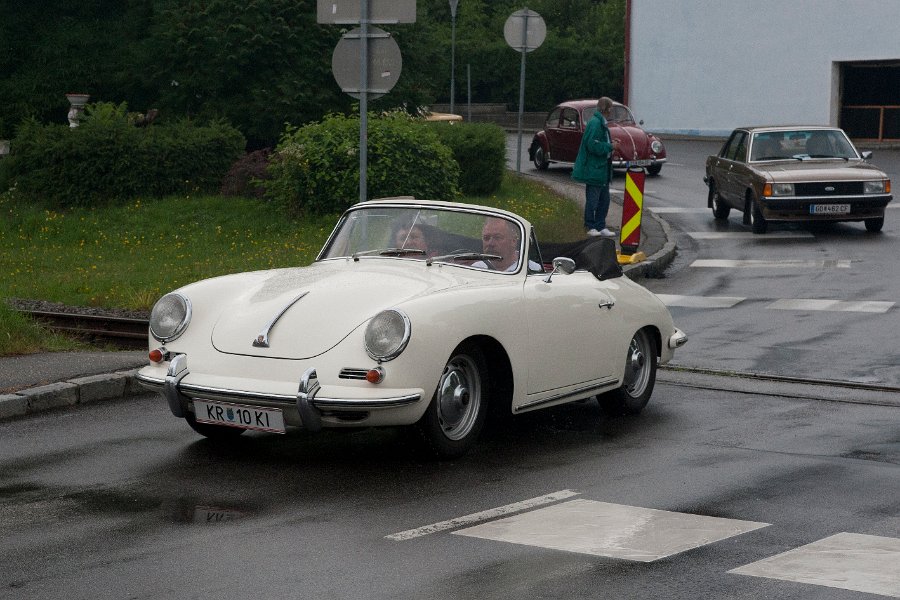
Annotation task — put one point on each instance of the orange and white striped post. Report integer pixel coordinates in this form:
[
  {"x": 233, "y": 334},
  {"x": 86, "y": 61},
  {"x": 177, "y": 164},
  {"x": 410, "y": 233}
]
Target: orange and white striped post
[{"x": 632, "y": 209}]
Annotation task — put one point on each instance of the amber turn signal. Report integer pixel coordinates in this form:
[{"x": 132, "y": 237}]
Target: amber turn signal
[
  {"x": 156, "y": 355},
  {"x": 375, "y": 375}
]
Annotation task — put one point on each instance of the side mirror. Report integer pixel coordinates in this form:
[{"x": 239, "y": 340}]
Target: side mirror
[
  {"x": 866, "y": 154},
  {"x": 561, "y": 264}
]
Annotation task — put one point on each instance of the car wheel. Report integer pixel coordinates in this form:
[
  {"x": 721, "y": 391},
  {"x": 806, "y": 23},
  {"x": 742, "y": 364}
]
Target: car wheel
[
  {"x": 213, "y": 432},
  {"x": 757, "y": 220},
  {"x": 540, "y": 159},
  {"x": 454, "y": 419},
  {"x": 654, "y": 169},
  {"x": 638, "y": 380},
  {"x": 874, "y": 225},
  {"x": 719, "y": 208}
]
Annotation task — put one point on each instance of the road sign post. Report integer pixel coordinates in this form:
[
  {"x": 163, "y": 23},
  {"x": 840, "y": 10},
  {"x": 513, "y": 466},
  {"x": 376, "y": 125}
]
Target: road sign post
[{"x": 524, "y": 31}]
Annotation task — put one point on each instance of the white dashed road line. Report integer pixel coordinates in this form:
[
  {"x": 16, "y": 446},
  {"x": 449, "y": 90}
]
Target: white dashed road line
[
  {"x": 749, "y": 235},
  {"x": 772, "y": 264},
  {"x": 865, "y": 306},
  {"x": 700, "y": 301},
  {"x": 481, "y": 516}
]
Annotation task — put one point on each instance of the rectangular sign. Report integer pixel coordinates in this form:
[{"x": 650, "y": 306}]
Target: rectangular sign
[{"x": 381, "y": 12}]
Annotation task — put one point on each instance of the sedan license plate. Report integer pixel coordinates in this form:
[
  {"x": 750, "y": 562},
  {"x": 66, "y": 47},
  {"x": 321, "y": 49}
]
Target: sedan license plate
[
  {"x": 829, "y": 209},
  {"x": 239, "y": 415}
]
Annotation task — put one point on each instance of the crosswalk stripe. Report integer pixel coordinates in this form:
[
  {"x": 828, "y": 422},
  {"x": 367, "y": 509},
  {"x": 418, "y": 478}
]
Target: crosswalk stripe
[
  {"x": 699, "y": 301},
  {"x": 675, "y": 209},
  {"x": 866, "y": 306},
  {"x": 748, "y": 235},
  {"x": 772, "y": 264}
]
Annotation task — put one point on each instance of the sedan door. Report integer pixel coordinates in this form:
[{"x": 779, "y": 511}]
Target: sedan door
[
  {"x": 574, "y": 331},
  {"x": 732, "y": 153}
]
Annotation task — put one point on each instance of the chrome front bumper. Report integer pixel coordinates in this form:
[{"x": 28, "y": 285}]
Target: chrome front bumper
[{"x": 307, "y": 401}]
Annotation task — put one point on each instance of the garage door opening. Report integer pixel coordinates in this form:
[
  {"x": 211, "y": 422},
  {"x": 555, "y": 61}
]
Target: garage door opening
[{"x": 870, "y": 100}]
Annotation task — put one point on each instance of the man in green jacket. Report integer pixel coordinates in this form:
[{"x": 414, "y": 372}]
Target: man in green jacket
[{"x": 593, "y": 167}]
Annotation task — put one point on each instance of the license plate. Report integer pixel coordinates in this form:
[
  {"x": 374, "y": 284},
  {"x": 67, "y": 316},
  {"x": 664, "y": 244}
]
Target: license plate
[
  {"x": 829, "y": 209},
  {"x": 239, "y": 415},
  {"x": 645, "y": 162}
]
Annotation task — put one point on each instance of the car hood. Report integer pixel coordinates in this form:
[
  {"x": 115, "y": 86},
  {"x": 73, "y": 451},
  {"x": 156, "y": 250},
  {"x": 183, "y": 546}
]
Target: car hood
[
  {"x": 318, "y": 305},
  {"x": 633, "y": 141},
  {"x": 821, "y": 170}
]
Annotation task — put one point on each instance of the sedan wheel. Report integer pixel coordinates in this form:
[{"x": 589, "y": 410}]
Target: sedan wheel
[
  {"x": 213, "y": 432},
  {"x": 874, "y": 225},
  {"x": 757, "y": 220},
  {"x": 540, "y": 159},
  {"x": 455, "y": 417},
  {"x": 638, "y": 380},
  {"x": 719, "y": 208}
]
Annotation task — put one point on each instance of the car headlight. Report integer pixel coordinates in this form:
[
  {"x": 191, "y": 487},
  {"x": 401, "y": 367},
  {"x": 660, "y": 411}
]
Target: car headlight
[
  {"x": 779, "y": 189},
  {"x": 656, "y": 146},
  {"x": 170, "y": 317},
  {"x": 387, "y": 334},
  {"x": 873, "y": 187}
]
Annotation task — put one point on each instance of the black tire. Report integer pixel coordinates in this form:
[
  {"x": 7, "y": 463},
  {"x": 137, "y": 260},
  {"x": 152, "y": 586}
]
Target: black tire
[
  {"x": 720, "y": 209},
  {"x": 757, "y": 220},
  {"x": 213, "y": 432},
  {"x": 638, "y": 380},
  {"x": 874, "y": 225},
  {"x": 454, "y": 419},
  {"x": 654, "y": 169},
  {"x": 540, "y": 158}
]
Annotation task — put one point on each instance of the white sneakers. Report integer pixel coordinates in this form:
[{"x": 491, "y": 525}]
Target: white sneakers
[{"x": 604, "y": 232}]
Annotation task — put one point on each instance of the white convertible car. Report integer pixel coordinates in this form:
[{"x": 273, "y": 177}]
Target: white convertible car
[{"x": 421, "y": 313}]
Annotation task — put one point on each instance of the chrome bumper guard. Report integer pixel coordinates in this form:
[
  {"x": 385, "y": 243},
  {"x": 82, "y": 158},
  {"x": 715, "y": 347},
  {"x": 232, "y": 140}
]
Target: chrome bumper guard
[
  {"x": 678, "y": 339},
  {"x": 309, "y": 405}
]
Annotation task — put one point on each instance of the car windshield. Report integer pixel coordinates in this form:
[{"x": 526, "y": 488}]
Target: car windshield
[
  {"x": 435, "y": 235},
  {"x": 801, "y": 144},
  {"x": 619, "y": 114}
]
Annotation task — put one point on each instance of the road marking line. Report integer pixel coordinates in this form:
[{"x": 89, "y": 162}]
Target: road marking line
[
  {"x": 675, "y": 209},
  {"x": 484, "y": 515},
  {"x": 847, "y": 561},
  {"x": 866, "y": 306},
  {"x": 773, "y": 264},
  {"x": 611, "y": 530},
  {"x": 700, "y": 301},
  {"x": 747, "y": 235}
]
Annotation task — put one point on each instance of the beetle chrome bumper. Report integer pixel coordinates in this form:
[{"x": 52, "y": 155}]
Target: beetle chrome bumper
[{"x": 308, "y": 401}]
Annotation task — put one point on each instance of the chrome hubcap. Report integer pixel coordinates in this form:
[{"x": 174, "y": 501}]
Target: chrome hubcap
[
  {"x": 637, "y": 367},
  {"x": 459, "y": 397}
]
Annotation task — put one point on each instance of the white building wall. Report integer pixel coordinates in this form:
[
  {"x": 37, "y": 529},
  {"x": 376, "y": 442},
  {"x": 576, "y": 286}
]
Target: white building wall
[{"x": 704, "y": 67}]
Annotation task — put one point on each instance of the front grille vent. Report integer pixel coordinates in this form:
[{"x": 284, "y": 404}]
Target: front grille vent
[
  {"x": 351, "y": 373},
  {"x": 829, "y": 188}
]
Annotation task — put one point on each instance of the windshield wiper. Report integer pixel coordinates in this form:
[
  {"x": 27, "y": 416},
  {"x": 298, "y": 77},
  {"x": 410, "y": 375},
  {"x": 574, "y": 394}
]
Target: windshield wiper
[
  {"x": 462, "y": 256},
  {"x": 387, "y": 252}
]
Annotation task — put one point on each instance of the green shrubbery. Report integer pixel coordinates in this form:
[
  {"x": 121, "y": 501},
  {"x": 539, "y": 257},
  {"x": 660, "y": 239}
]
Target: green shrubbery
[
  {"x": 315, "y": 168},
  {"x": 480, "y": 150},
  {"x": 108, "y": 159}
]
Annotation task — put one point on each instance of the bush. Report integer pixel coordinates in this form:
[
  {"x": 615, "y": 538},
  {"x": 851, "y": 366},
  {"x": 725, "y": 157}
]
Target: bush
[
  {"x": 246, "y": 175},
  {"x": 480, "y": 150},
  {"x": 108, "y": 159},
  {"x": 315, "y": 169}
]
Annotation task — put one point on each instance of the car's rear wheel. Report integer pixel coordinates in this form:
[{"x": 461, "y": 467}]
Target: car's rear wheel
[
  {"x": 757, "y": 220},
  {"x": 720, "y": 209},
  {"x": 540, "y": 159},
  {"x": 213, "y": 432},
  {"x": 654, "y": 169},
  {"x": 454, "y": 419},
  {"x": 874, "y": 225},
  {"x": 639, "y": 378}
]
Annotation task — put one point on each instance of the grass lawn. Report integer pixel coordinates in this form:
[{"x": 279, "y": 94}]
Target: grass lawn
[{"x": 128, "y": 256}]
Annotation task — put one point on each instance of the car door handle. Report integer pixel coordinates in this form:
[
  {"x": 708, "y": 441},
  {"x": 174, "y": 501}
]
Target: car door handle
[{"x": 607, "y": 304}]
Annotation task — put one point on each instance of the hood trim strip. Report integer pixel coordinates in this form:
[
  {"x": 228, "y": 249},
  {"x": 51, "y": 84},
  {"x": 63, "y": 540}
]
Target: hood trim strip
[{"x": 262, "y": 340}]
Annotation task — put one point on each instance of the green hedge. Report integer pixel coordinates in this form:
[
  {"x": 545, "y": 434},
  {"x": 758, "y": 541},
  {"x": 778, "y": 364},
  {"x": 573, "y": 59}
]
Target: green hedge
[
  {"x": 315, "y": 168},
  {"x": 480, "y": 150},
  {"x": 108, "y": 159}
]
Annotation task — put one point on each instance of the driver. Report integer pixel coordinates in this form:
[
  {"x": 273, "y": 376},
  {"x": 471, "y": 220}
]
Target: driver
[{"x": 499, "y": 237}]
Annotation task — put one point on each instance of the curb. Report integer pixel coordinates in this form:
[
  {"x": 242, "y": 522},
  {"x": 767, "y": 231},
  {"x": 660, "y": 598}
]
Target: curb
[{"x": 80, "y": 390}]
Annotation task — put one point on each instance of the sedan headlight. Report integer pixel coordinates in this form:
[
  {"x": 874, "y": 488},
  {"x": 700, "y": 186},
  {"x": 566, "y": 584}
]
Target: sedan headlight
[
  {"x": 170, "y": 317},
  {"x": 778, "y": 189},
  {"x": 873, "y": 187},
  {"x": 387, "y": 335},
  {"x": 656, "y": 146}
]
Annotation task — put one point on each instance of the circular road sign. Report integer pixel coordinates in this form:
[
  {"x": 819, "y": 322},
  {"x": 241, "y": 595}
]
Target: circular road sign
[
  {"x": 525, "y": 30},
  {"x": 385, "y": 62}
]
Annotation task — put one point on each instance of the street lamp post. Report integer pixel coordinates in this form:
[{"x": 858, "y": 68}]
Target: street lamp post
[{"x": 453, "y": 4}]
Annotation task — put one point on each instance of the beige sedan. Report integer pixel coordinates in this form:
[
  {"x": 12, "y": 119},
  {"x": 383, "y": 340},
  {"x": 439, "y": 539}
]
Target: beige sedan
[{"x": 791, "y": 173}]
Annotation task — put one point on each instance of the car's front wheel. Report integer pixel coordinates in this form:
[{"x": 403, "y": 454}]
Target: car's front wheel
[
  {"x": 454, "y": 419},
  {"x": 213, "y": 432},
  {"x": 719, "y": 208},
  {"x": 639, "y": 378},
  {"x": 540, "y": 158},
  {"x": 757, "y": 220},
  {"x": 874, "y": 225}
]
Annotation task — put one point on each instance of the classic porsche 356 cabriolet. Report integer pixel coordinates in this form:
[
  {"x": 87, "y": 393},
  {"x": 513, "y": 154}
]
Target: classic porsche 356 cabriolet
[{"x": 420, "y": 313}]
